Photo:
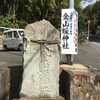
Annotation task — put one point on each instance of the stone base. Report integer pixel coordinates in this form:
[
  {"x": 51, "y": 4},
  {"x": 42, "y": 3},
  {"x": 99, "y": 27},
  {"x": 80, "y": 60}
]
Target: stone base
[{"x": 45, "y": 98}]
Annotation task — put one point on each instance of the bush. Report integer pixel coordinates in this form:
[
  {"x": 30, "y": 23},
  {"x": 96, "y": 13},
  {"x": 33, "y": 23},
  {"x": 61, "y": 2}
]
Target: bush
[
  {"x": 5, "y": 21},
  {"x": 8, "y": 21},
  {"x": 82, "y": 37}
]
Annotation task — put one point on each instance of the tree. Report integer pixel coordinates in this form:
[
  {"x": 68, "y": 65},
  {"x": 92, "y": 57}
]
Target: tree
[{"x": 33, "y": 10}]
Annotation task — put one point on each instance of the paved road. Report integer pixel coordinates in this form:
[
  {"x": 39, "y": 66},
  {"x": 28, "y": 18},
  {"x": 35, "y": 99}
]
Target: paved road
[
  {"x": 11, "y": 57},
  {"x": 89, "y": 54}
]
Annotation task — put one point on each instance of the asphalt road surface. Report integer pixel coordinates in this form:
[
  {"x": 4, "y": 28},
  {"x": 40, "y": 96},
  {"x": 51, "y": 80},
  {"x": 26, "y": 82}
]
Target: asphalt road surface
[
  {"x": 89, "y": 54},
  {"x": 11, "y": 57}
]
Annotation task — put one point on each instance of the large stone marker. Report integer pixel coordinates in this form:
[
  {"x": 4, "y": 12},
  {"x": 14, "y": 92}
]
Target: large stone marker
[{"x": 41, "y": 61}]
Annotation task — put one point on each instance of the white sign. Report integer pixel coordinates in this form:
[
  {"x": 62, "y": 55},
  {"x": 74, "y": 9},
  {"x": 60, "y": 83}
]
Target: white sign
[{"x": 69, "y": 31}]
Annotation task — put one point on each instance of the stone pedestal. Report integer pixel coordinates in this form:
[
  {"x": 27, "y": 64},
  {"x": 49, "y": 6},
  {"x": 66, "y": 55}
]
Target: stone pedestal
[{"x": 46, "y": 98}]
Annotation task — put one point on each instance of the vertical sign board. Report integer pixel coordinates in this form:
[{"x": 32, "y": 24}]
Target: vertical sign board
[{"x": 69, "y": 31}]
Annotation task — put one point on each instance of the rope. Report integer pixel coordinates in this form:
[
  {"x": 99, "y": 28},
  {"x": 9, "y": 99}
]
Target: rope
[
  {"x": 43, "y": 45},
  {"x": 42, "y": 42}
]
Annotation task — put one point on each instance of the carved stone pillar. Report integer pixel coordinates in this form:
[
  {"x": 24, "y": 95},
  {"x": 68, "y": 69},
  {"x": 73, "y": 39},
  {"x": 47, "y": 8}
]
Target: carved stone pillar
[{"x": 41, "y": 61}]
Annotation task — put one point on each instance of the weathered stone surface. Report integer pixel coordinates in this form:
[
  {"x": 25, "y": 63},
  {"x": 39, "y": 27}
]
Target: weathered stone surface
[
  {"x": 75, "y": 68},
  {"x": 56, "y": 98},
  {"x": 82, "y": 85},
  {"x": 4, "y": 81},
  {"x": 41, "y": 61}
]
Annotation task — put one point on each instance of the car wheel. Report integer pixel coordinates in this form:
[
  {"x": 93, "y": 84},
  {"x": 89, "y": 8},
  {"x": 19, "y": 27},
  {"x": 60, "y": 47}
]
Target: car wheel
[{"x": 5, "y": 47}]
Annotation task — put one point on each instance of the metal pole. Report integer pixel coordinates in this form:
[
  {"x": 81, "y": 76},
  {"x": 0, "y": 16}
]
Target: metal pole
[
  {"x": 71, "y": 4},
  {"x": 88, "y": 29},
  {"x": 70, "y": 57}
]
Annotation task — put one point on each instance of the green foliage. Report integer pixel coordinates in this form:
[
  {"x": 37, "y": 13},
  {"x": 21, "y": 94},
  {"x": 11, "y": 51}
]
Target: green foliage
[
  {"x": 33, "y": 10},
  {"x": 81, "y": 28},
  {"x": 98, "y": 33},
  {"x": 21, "y": 23},
  {"x": 28, "y": 11},
  {"x": 7, "y": 21},
  {"x": 82, "y": 37},
  {"x": 93, "y": 14}
]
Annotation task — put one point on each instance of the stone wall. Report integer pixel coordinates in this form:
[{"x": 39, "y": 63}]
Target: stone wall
[
  {"x": 84, "y": 84},
  {"x": 4, "y": 82}
]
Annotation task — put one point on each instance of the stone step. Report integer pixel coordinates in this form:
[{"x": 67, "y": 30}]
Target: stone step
[{"x": 38, "y": 98}]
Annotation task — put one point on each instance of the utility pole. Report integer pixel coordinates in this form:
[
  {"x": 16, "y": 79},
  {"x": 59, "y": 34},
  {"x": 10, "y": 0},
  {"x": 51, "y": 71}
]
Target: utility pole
[
  {"x": 69, "y": 32},
  {"x": 70, "y": 57},
  {"x": 71, "y": 4},
  {"x": 88, "y": 30}
]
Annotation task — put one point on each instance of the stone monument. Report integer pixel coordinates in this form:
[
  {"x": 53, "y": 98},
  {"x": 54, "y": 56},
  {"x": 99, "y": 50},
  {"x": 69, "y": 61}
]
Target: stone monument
[{"x": 41, "y": 61}]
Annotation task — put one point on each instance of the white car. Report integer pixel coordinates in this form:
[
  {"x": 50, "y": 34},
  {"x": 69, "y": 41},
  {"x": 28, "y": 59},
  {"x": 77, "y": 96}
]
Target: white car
[{"x": 13, "y": 39}]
